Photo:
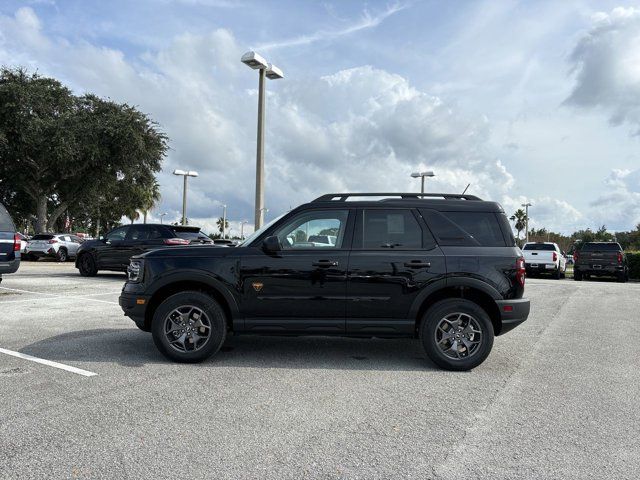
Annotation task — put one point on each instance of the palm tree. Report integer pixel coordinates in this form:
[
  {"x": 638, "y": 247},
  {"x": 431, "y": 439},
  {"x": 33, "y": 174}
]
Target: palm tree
[
  {"x": 520, "y": 219},
  {"x": 219, "y": 223},
  {"x": 151, "y": 197}
]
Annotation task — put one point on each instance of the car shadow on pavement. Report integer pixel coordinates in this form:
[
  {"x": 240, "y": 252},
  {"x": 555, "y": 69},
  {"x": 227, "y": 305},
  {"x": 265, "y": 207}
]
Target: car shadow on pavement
[{"x": 133, "y": 348}]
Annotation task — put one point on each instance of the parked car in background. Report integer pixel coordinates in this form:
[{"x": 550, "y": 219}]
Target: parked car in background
[
  {"x": 225, "y": 242},
  {"x": 23, "y": 244},
  {"x": 600, "y": 259},
  {"x": 544, "y": 257},
  {"x": 61, "y": 246},
  {"x": 9, "y": 244},
  {"x": 112, "y": 252},
  {"x": 443, "y": 268}
]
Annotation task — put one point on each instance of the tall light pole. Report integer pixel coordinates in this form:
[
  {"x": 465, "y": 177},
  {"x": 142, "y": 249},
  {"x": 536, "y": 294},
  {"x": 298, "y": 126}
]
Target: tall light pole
[
  {"x": 242, "y": 228},
  {"x": 255, "y": 61},
  {"x": 224, "y": 221},
  {"x": 161, "y": 216},
  {"x": 422, "y": 175},
  {"x": 185, "y": 174},
  {"x": 526, "y": 220}
]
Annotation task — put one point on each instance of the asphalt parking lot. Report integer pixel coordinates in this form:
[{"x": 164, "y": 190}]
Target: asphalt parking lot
[{"x": 557, "y": 398}]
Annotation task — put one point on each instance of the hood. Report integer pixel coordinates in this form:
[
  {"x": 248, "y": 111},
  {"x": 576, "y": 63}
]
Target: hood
[{"x": 189, "y": 251}]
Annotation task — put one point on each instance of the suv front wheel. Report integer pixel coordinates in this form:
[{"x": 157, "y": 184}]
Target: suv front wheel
[
  {"x": 189, "y": 327},
  {"x": 457, "y": 334}
]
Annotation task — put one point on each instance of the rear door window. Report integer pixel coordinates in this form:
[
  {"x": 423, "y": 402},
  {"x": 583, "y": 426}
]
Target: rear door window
[
  {"x": 378, "y": 229},
  {"x": 138, "y": 232}
]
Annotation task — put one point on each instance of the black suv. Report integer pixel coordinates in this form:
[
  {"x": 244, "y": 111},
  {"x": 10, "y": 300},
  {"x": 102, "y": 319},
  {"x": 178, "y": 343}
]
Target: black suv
[
  {"x": 9, "y": 244},
  {"x": 440, "y": 267},
  {"x": 113, "y": 251}
]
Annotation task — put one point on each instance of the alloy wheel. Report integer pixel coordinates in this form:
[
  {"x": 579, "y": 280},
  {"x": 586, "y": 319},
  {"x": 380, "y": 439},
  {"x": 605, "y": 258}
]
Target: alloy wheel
[
  {"x": 458, "y": 336},
  {"x": 187, "y": 328}
]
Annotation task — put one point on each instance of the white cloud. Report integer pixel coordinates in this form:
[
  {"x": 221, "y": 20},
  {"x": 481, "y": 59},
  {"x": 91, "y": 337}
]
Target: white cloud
[
  {"x": 606, "y": 62},
  {"x": 619, "y": 208},
  {"x": 551, "y": 213}
]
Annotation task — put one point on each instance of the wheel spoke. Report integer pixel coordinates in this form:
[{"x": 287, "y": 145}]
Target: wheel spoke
[
  {"x": 458, "y": 335},
  {"x": 187, "y": 328}
]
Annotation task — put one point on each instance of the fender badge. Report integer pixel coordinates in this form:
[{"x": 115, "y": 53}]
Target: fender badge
[{"x": 257, "y": 286}]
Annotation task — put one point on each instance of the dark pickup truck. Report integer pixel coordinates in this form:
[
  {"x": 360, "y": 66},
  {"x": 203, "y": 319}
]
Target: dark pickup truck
[{"x": 600, "y": 259}]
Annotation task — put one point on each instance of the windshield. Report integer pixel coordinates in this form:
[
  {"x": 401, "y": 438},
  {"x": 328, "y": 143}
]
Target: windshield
[{"x": 257, "y": 233}]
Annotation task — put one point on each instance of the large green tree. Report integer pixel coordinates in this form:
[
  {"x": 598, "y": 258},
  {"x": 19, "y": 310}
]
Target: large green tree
[{"x": 92, "y": 158}]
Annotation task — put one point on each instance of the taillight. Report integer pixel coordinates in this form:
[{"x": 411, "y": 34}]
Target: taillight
[
  {"x": 16, "y": 242},
  {"x": 176, "y": 241},
  {"x": 619, "y": 257},
  {"x": 53, "y": 240},
  {"x": 575, "y": 256},
  {"x": 520, "y": 271},
  {"x": 555, "y": 256}
]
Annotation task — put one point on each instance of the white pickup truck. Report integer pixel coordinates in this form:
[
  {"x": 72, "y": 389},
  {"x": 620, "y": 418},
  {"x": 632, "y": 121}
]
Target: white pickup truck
[{"x": 544, "y": 257}]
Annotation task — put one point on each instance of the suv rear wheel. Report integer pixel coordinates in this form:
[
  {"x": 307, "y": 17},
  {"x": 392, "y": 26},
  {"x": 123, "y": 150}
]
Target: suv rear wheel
[
  {"x": 189, "y": 327},
  {"x": 457, "y": 334},
  {"x": 62, "y": 255}
]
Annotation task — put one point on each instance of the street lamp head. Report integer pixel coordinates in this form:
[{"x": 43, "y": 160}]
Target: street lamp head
[
  {"x": 179, "y": 172},
  {"x": 428, "y": 173},
  {"x": 255, "y": 61},
  {"x": 191, "y": 173},
  {"x": 273, "y": 72}
]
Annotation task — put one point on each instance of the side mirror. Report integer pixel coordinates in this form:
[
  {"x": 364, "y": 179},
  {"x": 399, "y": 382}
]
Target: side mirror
[{"x": 271, "y": 244}]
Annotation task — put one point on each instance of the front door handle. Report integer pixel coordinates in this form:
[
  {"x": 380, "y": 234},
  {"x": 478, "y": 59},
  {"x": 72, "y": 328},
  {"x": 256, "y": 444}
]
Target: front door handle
[
  {"x": 325, "y": 263},
  {"x": 417, "y": 264}
]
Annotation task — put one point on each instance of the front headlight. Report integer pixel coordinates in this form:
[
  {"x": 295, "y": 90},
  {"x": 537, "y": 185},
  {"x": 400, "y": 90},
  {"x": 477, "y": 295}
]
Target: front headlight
[{"x": 135, "y": 271}]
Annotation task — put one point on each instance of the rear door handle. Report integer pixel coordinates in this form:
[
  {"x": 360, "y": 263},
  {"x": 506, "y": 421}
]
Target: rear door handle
[
  {"x": 417, "y": 264},
  {"x": 325, "y": 263}
]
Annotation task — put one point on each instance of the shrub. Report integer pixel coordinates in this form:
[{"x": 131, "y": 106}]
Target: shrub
[{"x": 634, "y": 264}]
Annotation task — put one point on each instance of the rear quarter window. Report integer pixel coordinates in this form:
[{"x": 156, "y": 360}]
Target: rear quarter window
[{"x": 466, "y": 228}]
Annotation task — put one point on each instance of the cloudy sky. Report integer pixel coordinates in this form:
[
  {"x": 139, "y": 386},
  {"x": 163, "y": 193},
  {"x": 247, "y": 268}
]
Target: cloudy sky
[{"x": 525, "y": 100}]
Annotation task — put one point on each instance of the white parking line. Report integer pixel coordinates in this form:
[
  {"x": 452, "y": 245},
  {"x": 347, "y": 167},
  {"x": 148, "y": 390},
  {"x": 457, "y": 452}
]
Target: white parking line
[
  {"x": 53, "y": 295},
  {"x": 61, "y": 366}
]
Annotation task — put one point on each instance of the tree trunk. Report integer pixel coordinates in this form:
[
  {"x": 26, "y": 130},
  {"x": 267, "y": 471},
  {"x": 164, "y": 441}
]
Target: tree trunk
[
  {"x": 41, "y": 212},
  {"x": 55, "y": 215}
]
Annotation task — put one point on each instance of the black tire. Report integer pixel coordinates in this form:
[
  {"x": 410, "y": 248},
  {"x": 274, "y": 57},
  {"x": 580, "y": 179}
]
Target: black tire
[
  {"x": 437, "y": 314},
  {"x": 32, "y": 258},
  {"x": 62, "y": 255},
  {"x": 213, "y": 313},
  {"x": 621, "y": 278},
  {"x": 577, "y": 276},
  {"x": 558, "y": 274},
  {"x": 142, "y": 327},
  {"x": 87, "y": 265}
]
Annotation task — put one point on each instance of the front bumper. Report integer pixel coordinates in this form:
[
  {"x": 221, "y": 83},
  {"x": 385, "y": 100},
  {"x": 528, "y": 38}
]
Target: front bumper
[
  {"x": 134, "y": 306},
  {"x": 513, "y": 313}
]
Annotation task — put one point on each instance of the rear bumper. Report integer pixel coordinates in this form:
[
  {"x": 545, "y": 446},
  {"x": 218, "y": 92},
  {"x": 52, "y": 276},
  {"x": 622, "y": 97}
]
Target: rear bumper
[
  {"x": 604, "y": 270},
  {"x": 9, "y": 267},
  {"x": 131, "y": 306},
  {"x": 513, "y": 313}
]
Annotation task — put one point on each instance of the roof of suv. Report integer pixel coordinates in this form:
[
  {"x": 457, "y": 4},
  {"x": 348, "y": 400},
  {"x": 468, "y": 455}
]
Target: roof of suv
[{"x": 436, "y": 201}]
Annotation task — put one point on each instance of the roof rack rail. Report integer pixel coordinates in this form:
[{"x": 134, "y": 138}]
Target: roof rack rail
[{"x": 342, "y": 197}]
